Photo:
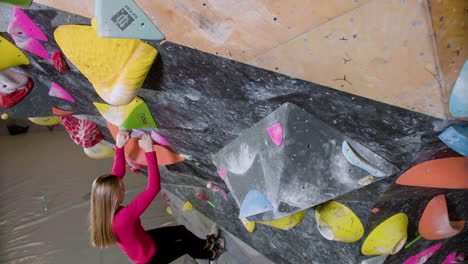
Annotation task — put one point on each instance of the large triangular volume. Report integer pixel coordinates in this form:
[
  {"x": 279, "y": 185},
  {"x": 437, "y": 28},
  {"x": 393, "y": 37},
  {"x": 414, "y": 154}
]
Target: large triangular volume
[{"x": 124, "y": 19}]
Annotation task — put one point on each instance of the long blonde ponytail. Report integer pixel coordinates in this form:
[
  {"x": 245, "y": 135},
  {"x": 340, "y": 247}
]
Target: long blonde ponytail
[{"x": 105, "y": 195}]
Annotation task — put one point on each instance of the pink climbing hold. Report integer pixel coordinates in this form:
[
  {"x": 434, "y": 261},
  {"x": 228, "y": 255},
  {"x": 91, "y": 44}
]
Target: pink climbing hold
[
  {"x": 59, "y": 62},
  {"x": 57, "y": 91},
  {"x": 222, "y": 172},
  {"x": 159, "y": 139},
  {"x": 276, "y": 133},
  {"x": 31, "y": 45},
  {"x": 423, "y": 256},
  {"x": 453, "y": 258},
  {"x": 22, "y": 25}
]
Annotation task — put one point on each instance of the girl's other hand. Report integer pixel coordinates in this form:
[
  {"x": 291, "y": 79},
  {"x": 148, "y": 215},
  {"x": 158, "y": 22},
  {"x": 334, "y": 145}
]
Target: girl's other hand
[
  {"x": 122, "y": 138},
  {"x": 146, "y": 143}
]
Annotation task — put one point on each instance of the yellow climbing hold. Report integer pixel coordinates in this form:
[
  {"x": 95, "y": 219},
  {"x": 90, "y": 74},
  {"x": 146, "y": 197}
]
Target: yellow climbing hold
[
  {"x": 116, "y": 67},
  {"x": 187, "y": 207},
  {"x": 5, "y": 116},
  {"x": 250, "y": 226},
  {"x": 169, "y": 211},
  {"x": 388, "y": 237},
  {"x": 94, "y": 24},
  {"x": 133, "y": 115},
  {"x": 101, "y": 150},
  {"x": 10, "y": 55},
  {"x": 45, "y": 121},
  {"x": 287, "y": 222},
  {"x": 337, "y": 222}
]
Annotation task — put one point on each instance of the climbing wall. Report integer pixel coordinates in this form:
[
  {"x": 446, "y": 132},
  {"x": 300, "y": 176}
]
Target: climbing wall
[
  {"x": 404, "y": 53},
  {"x": 375, "y": 83}
]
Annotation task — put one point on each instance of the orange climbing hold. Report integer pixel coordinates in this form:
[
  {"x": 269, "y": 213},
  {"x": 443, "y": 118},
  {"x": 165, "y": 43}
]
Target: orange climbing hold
[
  {"x": 450, "y": 173},
  {"x": 61, "y": 112},
  {"x": 134, "y": 154},
  {"x": 435, "y": 223}
]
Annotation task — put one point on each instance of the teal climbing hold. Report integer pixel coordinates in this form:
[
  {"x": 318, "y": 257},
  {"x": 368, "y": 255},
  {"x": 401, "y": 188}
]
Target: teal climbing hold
[
  {"x": 255, "y": 202},
  {"x": 124, "y": 19},
  {"x": 456, "y": 138},
  {"x": 459, "y": 98},
  {"x": 355, "y": 159}
]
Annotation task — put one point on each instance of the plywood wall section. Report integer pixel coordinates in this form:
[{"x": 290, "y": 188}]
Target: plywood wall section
[
  {"x": 450, "y": 22},
  {"x": 382, "y": 50},
  {"x": 240, "y": 30},
  {"x": 80, "y": 7}
]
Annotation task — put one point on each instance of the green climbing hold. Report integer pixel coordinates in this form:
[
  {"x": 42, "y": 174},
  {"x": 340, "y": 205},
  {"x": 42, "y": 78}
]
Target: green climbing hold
[
  {"x": 140, "y": 118},
  {"x": 19, "y": 3}
]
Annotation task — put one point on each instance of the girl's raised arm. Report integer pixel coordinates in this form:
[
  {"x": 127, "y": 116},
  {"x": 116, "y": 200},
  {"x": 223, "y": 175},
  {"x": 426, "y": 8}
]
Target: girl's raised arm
[
  {"x": 144, "y": 199},
  {"x": 119, "y": 158}
]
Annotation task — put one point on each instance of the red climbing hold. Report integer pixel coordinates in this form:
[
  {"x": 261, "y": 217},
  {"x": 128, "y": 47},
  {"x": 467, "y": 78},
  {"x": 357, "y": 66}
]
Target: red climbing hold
[
  {"x": 201, "y": 194},
  {"x": 435, "y": 223},
  {"x": 61, "y": 112},
  {"x": 83, "y": 132},
  {"x": 449, "y": 173},
  {"x": 14, "y": 86},
  {"x": 59, "y": 61}
]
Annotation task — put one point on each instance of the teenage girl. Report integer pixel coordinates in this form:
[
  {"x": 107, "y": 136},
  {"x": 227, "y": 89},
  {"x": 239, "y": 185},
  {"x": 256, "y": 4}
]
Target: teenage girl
[{"x": 111, "y": 223}]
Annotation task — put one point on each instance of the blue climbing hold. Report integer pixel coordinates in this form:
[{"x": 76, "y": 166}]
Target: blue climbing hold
[
  {"x": 355, "y": 159},
  {"x": 124, "y": 19},
  {"x": 255, "y": 202},
  {"x": 459, "y": 97},
  {"x": 456, "y": 138}
]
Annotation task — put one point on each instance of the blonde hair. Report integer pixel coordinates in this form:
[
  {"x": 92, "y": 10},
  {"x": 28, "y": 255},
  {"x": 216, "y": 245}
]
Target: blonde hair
[{"x": 105, "y": 196}]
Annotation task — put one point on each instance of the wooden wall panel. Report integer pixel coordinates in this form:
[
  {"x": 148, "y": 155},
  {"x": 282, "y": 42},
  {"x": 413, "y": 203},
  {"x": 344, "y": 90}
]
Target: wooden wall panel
[
  {"x": 240, "y": 30},
  {"x": 450, "y": 22},
  {"x": 80, "y": 7},
  {"x": 382, "y": 50}
]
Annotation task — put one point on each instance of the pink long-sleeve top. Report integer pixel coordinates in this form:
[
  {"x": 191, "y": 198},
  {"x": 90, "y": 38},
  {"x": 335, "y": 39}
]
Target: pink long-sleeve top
[{"x": 131, "y": 237}]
